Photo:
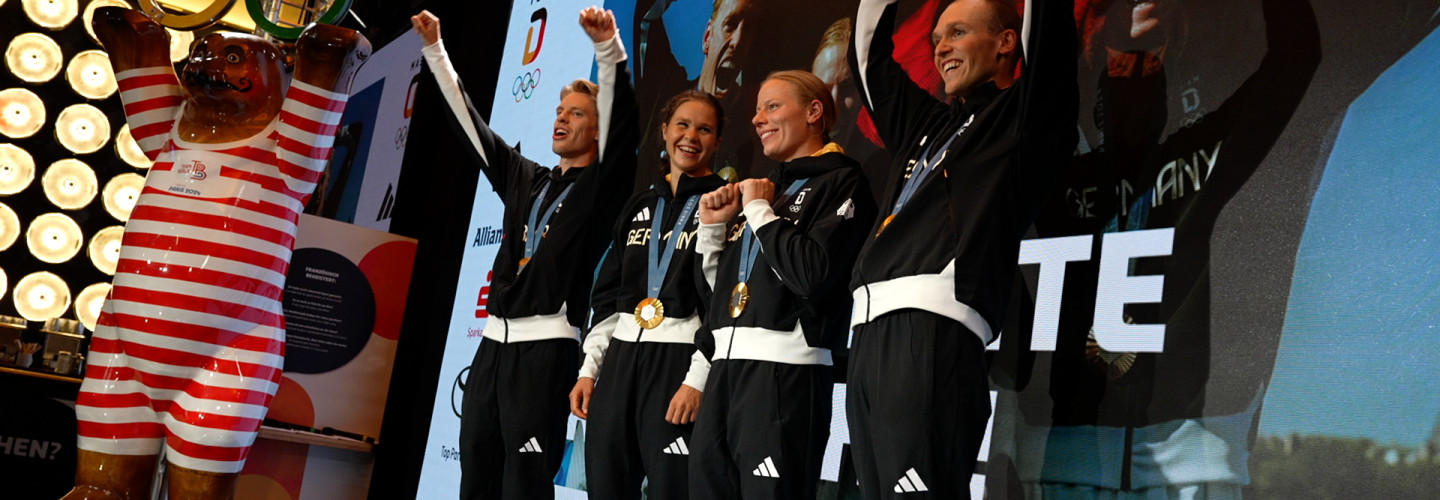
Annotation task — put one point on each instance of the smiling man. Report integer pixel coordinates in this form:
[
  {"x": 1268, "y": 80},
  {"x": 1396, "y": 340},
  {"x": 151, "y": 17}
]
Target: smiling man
[
  {"x": 512, "y": 428},
  {"x": 931, "y": 283}
]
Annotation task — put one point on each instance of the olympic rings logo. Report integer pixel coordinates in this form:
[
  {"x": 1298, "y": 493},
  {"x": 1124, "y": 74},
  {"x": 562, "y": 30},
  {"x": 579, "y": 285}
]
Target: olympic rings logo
[{"x": 525, "y": 85}]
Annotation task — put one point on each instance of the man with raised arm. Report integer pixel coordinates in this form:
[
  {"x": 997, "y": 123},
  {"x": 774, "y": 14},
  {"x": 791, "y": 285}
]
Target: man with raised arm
[
  {"x": 512, "y": 429},
  {"x": 931, "y": 283}
]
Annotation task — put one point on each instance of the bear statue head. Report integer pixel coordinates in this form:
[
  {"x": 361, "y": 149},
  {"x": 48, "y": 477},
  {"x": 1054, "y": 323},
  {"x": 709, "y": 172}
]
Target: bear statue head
[{"x": 240, "y": 75}]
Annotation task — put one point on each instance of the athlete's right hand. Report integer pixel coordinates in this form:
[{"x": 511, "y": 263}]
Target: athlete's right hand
[
  {"x": 580, "y": 397},
  {"x": 427, "y": 25},
  {"x": 720, "y": 205}
]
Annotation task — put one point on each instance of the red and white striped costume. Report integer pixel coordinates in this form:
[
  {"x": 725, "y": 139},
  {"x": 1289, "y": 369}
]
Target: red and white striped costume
[{"x": 190, "y": 344}]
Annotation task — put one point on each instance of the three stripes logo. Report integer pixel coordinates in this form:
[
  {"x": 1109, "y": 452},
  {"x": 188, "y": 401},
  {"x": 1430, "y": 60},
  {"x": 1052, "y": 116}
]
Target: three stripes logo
[
  {"x": 910, "y": 483},
  {"x": 767, "y": 469},
  {"x": 531, "y": 446},
  {"x": 642, "y": 216},
  {"x": 677, "y": 448}
]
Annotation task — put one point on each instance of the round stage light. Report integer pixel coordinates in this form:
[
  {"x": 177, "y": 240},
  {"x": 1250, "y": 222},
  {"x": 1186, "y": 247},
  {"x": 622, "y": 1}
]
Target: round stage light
[
  {"x": 21, "y": 113},
  {"x": 41, "y": 296},
  {"x": 105, "y": 249},
  {"x": 88, "y": 303},
  {"x": 129, "y": 150},
  {"x": 90, "y": 14},
  {"x": 53, "y": 238},
  {"x": 180, "y": 44},
  {"x": 17, "y": 169},
  {"x": 121, "y": 193},
  {"x": 53, "y": 14},
  {"x": 82, "y": 128},
  {"x": 70, "y": 184},
  {"x": 33, "y": 57},
  {"x": 9, "y": 227},
  {"x": 90, "y": 75},
  {"x": 4, "y": 280}
]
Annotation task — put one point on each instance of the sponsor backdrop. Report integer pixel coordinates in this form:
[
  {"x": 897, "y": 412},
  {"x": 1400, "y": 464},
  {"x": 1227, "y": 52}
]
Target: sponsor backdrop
[{"x": 1232, "y": 288}]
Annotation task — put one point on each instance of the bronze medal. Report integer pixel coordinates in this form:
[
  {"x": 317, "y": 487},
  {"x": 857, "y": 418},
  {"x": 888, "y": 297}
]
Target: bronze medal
[
  {"x": 524, "y": 261},
  {"x": 649, "y": 313},
  {"x": 739, "y": 298}
]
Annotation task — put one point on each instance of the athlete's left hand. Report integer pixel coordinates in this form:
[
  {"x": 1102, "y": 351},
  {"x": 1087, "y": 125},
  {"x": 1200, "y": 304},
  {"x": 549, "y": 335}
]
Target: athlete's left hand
[
  {"x": 756, "y": 189},
  {"x": 684, "y": 406}
]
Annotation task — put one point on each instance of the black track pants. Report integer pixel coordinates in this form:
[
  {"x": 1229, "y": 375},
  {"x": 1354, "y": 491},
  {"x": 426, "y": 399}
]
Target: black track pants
[
  {"x": 512, "y": 427},
  {"x": 627, "y": 437},
  {"x": 762, "y": 431},
  {"x": 917, "y": 403}
]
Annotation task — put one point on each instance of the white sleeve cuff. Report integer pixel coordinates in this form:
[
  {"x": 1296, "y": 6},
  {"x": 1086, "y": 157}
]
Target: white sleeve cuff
[
  {"x": 711, "y": 242},
  {"x": 596, "y": 343},
  {"x": 699, "y": 371},
  {"x": 610, "y": 51},
  {"x": 758, "y": 213},
  {"x": 711, "y": 238}
]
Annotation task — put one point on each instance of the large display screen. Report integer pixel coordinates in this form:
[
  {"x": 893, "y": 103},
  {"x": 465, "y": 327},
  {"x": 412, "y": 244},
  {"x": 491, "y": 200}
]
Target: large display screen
[{"x": 1232, "y": 289}]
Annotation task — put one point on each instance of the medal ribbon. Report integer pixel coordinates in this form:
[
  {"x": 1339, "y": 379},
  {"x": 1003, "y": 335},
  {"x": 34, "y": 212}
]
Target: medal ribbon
[
  {"x": 919, "y": 174},
  {"x": 659, "y": 267},
  {"x": 749, "y": 248},
  {"x": 534, "y": 231}
]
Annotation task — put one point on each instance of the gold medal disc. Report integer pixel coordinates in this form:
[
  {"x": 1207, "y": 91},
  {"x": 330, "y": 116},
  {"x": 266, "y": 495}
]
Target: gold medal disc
[
  {"x": 885, "y": 223},
  {"x": 649, "y": 313},
  {"x": 739, "y": 298}
]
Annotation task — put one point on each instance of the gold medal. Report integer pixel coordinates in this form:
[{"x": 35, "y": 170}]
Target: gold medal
[
  {"x": 524, "y": 261},
  {"x": 739, "y": 298},
  {"x": 649, "y": 313},
  {"x": 885, "y": 223}
]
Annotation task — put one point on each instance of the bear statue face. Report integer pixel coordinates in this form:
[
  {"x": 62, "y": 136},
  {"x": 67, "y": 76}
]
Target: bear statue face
[{"x": 243, "y": 74}]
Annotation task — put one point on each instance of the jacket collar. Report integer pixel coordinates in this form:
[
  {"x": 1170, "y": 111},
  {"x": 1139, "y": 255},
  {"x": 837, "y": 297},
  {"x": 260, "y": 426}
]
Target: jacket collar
[
  {"x": 558, "y": 174},
  {"x": 977, "y": 99},
  {"x": 688, "y": 186},
  {"x": 806, "y": 167}
]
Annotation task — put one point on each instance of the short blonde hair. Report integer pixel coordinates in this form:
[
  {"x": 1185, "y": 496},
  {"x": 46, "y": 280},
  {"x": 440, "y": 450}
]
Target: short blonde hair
[
  {"x": 810, "y": 88},
  {"x": 584, "y": 87}
]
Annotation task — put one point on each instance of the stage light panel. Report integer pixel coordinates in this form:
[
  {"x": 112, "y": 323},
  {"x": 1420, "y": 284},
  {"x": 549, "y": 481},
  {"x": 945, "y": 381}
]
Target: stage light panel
[
  {"x": 21, "y": 113},
  {"x": 90, "y": 75},
  {"x": 52, "y": 14},
  {"x": 88, "y": 303},
  {"x": 41, "y": 296},
  {"x": 9, "y": 227},
  {"x": 70, "y": 184},
  {"x": 121, "y": 193},
  {"x": 33, "y": 57},
  {"x": 17, "y": 169},
  {"x": 82, "y": 128},
  {"x": 129, "y": 150},
  {"x": 105, "y": 249},
  {"x": 53, "y": 238}
]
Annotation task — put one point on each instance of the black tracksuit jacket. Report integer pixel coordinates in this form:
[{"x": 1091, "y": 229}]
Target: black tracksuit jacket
[
  {"x": 993, "y": 179},
  {"x": 563, "y": 266},
  {"x": 805, "y": 258},
  {"x": 623, "y": 280}
]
